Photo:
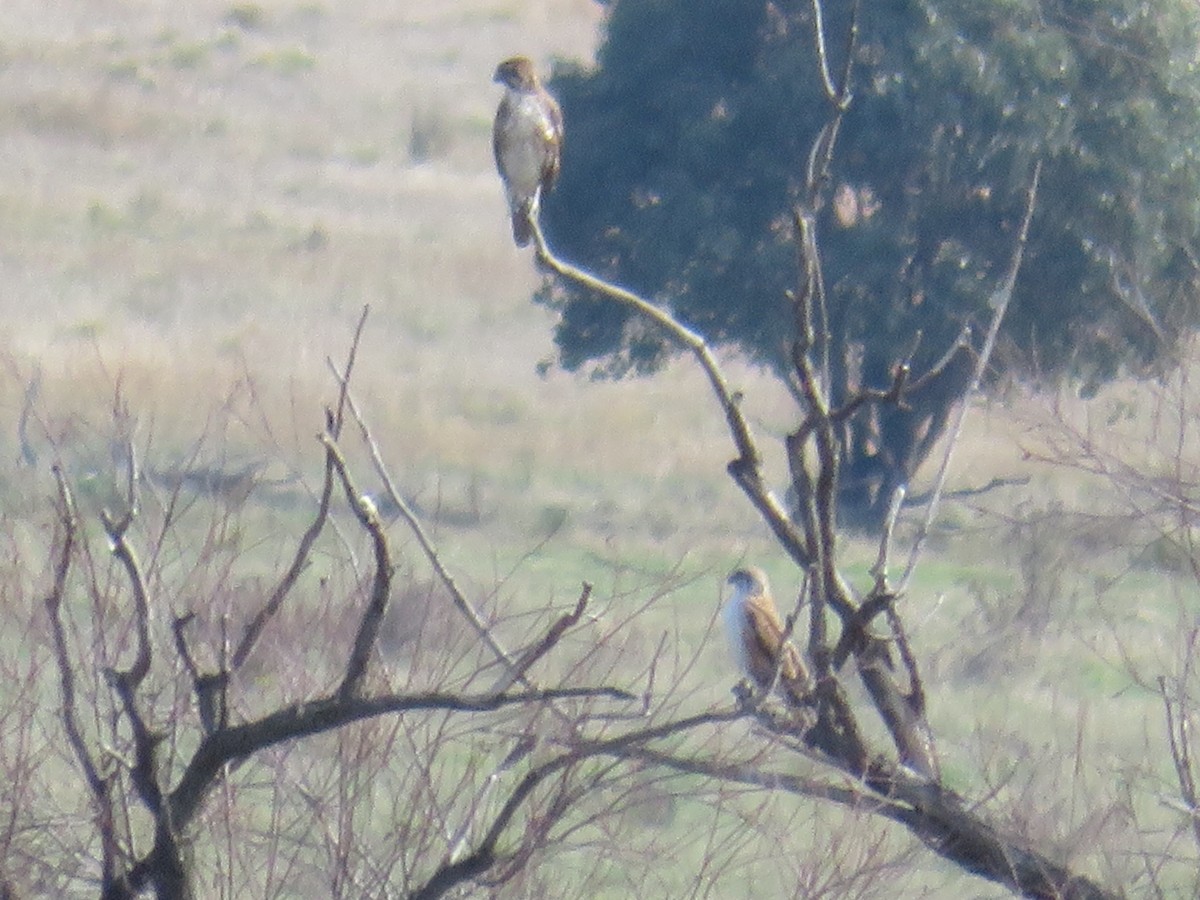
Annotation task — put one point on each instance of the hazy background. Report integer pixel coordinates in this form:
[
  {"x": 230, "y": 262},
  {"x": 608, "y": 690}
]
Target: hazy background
[{"x": 197, "y": 199}]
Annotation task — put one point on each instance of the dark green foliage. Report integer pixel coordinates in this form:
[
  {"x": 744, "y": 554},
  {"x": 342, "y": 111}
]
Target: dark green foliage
[{"x": 686, "y": 146}]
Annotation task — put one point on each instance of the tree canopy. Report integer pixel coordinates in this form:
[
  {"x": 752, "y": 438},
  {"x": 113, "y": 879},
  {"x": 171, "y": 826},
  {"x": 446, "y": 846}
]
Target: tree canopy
[{"x": 688, "y": 140}]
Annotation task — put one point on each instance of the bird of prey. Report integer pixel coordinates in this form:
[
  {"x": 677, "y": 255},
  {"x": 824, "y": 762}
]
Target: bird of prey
[
  {"x": 527, "y": 141},
  {"x": 755, "y": 634}
]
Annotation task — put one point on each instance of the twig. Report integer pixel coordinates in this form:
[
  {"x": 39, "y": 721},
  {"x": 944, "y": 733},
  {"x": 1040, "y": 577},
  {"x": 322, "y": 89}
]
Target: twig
[
  {"x": 894, "y": 393},
  {"x": 789, "y": 626},
  {"x": 999, "y": 305},
  {"x": 310, "y": 717},
  {"x": 254, "y": 628},
  {"x": 961, "y": 343},
  {"x": 372, "y": 617},
  {"x": 746, "y": 470},
  {"x": 464, "y": 606},
  {"x": 548, "y": 641},
  {"x": 122, "y": 419},
  {"x": 756, "y": 775},
  {"x": 652, "y": 673},
  {"x": 344, "y": 379},
  {"x": 181, "y": 647},
  {"x": 121, "y": 549},
  {"x": 1179, "y": 739},
  {"x": 28, "y": 455},
  {"x": 818, "y": 499},
  {"x": 143, "y": 771},
  {"x": 817, "y": 176},
  {"x": 880, "y": 569},
  {"x": 838, "y": 95},
  {"x": 484, "y": 856}
]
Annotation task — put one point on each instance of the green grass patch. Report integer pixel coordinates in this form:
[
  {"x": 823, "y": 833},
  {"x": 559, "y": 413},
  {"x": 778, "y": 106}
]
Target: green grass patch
[{"x": 286, "y": 61}]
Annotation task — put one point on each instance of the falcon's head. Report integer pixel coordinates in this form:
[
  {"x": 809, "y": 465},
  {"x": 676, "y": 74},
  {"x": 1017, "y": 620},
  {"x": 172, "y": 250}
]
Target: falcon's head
[
  {"x": 517, "y": 73},
  {"x": 749, "y": 581}
]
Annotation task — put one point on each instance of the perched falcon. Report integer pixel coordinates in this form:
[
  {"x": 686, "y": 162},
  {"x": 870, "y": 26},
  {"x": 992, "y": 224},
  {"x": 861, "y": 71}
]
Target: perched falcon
[
  {"x": 755, "y": 634},
  {"x": 526, "y": 139}
]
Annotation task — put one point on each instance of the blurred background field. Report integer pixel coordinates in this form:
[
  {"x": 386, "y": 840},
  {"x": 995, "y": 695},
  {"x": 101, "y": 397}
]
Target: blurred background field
[{"x": 196, "y": 201}]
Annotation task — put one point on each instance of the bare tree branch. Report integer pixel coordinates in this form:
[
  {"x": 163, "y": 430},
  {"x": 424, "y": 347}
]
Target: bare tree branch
[
  {"x": 464, "y": 606},
  {"x": 484, "y": 856},
  {"x": 254, "y": 628},
  {"x": 949, "y": 828},
  {"x": 1179, "y": 729},
  {"x": 839, "y": 94},
  {"x": 324, "y": 714},
  {"x": 69, "y": 525},
  {"x": 746, "y": 470},
  {"x": 999, "y": 305},
  {"x": 836, "y": 730},
  {"x": 33, "y": 386},
  {"x": 937, "y": 816},
  {"x": 547, "y": 643},
  {"x": 210, "y": 688},
  {"x": 99, "y": 784},
  {"x": 116, "y": 530},
  {"x": 372, "y": 617}
]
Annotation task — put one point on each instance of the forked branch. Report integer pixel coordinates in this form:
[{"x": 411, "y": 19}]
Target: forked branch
[
  {"x": 98, "y": 782},
  {"x": 460, "y": 600},
  {"x": 909, "y": 792},
  {"x": 746, "y": 469},
  {"x": 372, "y": 617},
  {"x": 267, "y": 612}
]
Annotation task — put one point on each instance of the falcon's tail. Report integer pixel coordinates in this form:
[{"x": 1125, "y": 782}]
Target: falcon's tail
[
  {"x": 522, "y": 229},
  {"x": 523, "y": 213}
]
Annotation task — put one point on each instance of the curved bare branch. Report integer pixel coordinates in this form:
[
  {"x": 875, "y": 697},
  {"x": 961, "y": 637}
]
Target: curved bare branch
[{"x": 746, "y": 469}]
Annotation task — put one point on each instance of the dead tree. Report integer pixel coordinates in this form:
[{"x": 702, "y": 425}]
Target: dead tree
[
  {"x": 143, "y": 810},
  {"x": 863, "y": 635}
]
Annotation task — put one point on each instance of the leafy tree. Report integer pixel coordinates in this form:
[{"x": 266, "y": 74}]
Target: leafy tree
[{"x": 688, "y": 145}]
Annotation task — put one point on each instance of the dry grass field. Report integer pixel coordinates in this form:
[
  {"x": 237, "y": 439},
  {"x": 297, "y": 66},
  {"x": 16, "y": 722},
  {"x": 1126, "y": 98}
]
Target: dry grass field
[{"x": 198, "y": 198}]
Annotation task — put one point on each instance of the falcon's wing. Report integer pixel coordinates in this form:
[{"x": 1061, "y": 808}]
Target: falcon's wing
[
  {"x": 499, "y": 127},
  {"x": 553, "y": 163},
  {"x": 768, "y": 636}
]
